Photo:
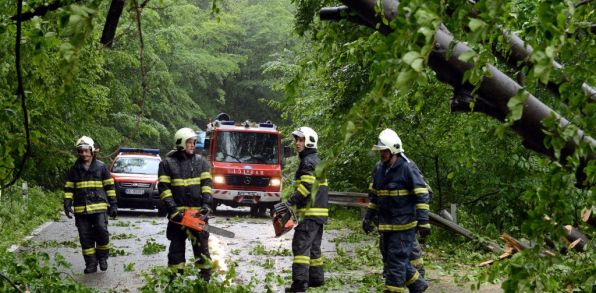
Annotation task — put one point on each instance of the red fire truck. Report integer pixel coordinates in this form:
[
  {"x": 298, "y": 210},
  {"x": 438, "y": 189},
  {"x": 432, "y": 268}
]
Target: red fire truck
[{"x": 245, "y": 163}]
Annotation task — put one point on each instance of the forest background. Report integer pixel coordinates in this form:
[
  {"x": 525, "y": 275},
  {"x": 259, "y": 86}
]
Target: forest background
[{"x": 275, "y": 60}]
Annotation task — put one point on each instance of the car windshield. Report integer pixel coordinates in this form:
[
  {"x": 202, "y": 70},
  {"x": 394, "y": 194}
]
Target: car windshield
[
  {"x": 247, "y": 147},
  {"x": 146, "y": 166}
]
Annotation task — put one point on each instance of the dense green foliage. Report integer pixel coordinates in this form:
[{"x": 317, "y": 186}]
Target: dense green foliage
[
  {"x": 21, "y": 212},
  {"x": 37, "y": 272},
  {"x": 350, "y": 82},
  {"x": 197, "y": 64}
]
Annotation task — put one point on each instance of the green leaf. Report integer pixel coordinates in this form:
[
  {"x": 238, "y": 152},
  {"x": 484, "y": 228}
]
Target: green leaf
[
  {"x": 417, "y": 64},
  {"x": 476, "y": 24},
  {"x": 409, "y": 57},
  {"x": 405, "y": 77},
  {"x": 466, "y": 56},
  {"x": 516, "y": 106}
]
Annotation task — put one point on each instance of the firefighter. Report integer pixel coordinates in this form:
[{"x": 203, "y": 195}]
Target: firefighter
[
  {"x": 307, "y": 267},
  {"x": 90, "y": 190},
  {"x": 399, "y": 198},
  {"x": 415, "y": 257},
  {"x": 184, "y": 183}
]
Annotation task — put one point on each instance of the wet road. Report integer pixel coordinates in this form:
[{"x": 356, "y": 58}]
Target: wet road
[
  {"x": 132, "y": 230},
  {"x": 257, "y": 252}
]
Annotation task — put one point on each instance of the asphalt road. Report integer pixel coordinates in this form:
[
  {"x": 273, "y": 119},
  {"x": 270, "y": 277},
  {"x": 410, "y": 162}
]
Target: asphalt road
[{"x": 132, "y": 230}]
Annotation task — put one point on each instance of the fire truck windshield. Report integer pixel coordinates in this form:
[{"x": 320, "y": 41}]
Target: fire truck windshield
[{"x": 246, "y": 147}]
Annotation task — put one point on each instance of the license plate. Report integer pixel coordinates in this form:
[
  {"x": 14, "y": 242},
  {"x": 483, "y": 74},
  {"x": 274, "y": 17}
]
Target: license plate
[
  {"x": 247, "y": 194},
  {"x": 134, "y": 191}
]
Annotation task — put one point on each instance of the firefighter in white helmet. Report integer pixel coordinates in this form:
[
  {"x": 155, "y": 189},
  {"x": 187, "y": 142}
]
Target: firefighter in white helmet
[
  {"x": 307, "y": 267},
  {"x": 90, "y": 189},
  {"x": 399, "y": 202},
  {"x": 185, "y": 182}
]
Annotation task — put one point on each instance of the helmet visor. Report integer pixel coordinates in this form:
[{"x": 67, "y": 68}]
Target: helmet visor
[
  {"x": 379, "y": 146},
  {"x": 83, "y": 147},
  {"x": 298, "y": 133}
]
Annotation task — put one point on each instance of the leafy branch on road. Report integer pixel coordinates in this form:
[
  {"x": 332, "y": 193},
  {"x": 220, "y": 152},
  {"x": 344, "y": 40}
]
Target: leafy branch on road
[
  {"x": 36, "y": 272},
  {"x": 152, "y": 247}
]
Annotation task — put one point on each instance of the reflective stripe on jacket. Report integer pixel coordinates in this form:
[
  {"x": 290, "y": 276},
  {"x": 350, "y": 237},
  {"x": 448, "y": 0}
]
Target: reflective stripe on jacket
[
  {"x": 184, "y": 182},
  {"x": 316, "y": 207},
  {"x": 400, "y": 195},
  {"x": 92, "y": 190}
]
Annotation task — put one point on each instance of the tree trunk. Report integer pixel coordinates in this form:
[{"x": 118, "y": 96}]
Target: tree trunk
[
  {"x": 578, "y": 239},
  {"x": 112, "y": 19},
  {"x": 438, "y": 220},
  {"x": 494, "y": 90}
]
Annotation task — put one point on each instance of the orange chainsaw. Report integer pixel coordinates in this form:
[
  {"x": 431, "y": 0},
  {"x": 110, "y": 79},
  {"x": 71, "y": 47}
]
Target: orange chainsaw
[
  {"x": 197, "y": 221},
  {"x": 283, "y": 219}
]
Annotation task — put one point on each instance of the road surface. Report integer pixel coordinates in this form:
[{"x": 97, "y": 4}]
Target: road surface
[{"x": 254, "y": 248}]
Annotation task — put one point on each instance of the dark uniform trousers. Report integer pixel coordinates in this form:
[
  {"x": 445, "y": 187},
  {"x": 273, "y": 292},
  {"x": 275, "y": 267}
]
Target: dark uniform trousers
[
  {"x": 200, "y": 247},
  {"x": 415, "y": 257},
  {"x": 94, "y": 236},
  {"x": 397, "y": 267},
  {"x": 306, "y": 247}
]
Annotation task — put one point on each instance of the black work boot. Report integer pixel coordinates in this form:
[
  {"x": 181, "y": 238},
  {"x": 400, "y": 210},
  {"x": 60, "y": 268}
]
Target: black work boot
[
  {"x": 90, "y": 264},
  {"x": 315, "y": 284},
  {"x": 103, "y": 264},
  {"x": 298, "y": 287},
  {"x": 205, "y": 274}
]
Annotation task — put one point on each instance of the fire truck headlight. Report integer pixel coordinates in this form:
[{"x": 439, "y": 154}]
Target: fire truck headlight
[
  {"x": 219, "y": 179},
  {"x": 275, "y": 182}
]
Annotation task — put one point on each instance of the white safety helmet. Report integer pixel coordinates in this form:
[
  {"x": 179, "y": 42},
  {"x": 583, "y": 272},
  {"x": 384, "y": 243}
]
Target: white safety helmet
[
  {"x": 310, "y": 136},
  {"x": 182, "y": 135},
  {"x": 389, "y": 140},
  {"x": 85, "y": 142}
]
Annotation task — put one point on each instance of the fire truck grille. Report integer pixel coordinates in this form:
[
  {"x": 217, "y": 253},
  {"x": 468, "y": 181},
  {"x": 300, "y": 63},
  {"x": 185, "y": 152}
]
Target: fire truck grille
[{"x": 241, "y": 180}]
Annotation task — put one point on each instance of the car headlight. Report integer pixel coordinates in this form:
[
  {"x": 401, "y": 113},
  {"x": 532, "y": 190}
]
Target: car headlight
[
  {"x": 219, "y": 179},
  {"x": 275, "y": 182}
]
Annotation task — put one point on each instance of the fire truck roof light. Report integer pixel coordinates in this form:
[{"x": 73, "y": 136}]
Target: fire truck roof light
[
  {"x": 139, "y": 150},
  {"x": 227, "y": 122}
]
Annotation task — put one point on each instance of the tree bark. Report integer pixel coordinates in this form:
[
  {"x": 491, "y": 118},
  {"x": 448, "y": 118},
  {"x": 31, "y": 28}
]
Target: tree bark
[
  {"x": 112, "y": 19},
  {"x": 438, "y": 220},
  {"x": 578, "y": 239}
]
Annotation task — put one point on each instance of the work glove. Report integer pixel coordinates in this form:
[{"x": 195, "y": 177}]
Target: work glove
[
  {"x": 176, "y": 217},
  {"x": 113, "y": 210},
  {"x": 205, "y": 209},
  {"x": 367, "y": 226},
  {"x": 281, "y": 207},
  {"x": 370, "y": 219},
  {"x": 204, "y": 213},
  {"x": 68, "y": 208},
  {"x": 423, "y": 231}
]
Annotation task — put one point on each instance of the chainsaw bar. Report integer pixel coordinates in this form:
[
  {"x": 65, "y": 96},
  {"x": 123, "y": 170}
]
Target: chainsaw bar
[{"x": 219, "y": 231}]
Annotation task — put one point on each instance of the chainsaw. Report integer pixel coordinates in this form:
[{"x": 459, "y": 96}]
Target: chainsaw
[
  {"x": 197, "y": 221},
  {"x": 283, "y": 219}
]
